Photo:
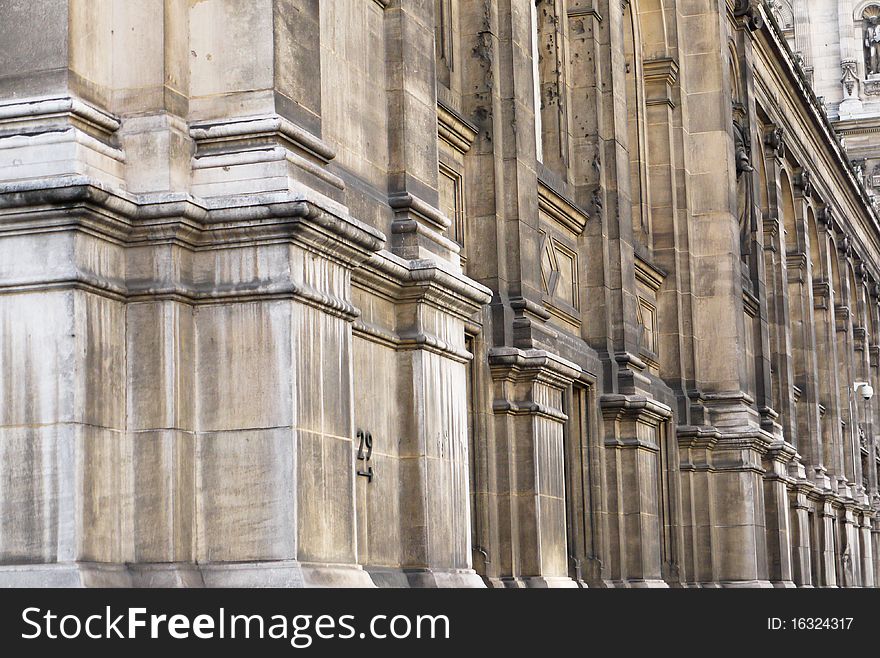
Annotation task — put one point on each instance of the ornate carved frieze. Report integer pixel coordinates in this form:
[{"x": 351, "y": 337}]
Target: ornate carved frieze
[{"x": 850, "y": 78}]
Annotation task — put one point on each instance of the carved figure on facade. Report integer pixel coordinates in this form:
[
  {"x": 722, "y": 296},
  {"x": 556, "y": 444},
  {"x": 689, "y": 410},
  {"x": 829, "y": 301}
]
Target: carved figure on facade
[
  {"x": 749, "y": 10},
  {"x": 825, "y": 217},
  {"x": 858, "y": 169},
  {"x": 803, "y": 181},
  {"x": 742, "y": 149},
  {"x": 778, "y": 12},
  {"x": 745, "y": 206},
  {"x": 774, "y": 141},
  {"x": 871, "y": 41}
]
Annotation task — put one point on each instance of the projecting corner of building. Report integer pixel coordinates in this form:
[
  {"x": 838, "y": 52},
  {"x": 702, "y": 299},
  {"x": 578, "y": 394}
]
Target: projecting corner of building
[{"x": 529, "y": 293}]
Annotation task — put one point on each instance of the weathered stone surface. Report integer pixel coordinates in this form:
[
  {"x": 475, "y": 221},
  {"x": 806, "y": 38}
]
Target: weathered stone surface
[{"x": 436, "y": 294}]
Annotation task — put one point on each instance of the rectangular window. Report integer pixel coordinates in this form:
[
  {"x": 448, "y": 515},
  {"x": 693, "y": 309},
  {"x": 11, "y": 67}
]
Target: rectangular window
[
  {"x": 451, "y": 203},
  {"x": 442, "y": 41},
  {"x": 536, "y": 80},
  {"x": 579, "y": 512}
]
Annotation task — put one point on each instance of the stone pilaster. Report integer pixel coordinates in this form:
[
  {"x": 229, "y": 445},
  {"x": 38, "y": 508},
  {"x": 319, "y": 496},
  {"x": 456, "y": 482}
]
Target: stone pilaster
[
  {"x": 869, "y": 575},
  {"x": 807, "y": 396},
  {"x": 827, "y": 541},
  {"x": 635, "y": 440},
  {"x": 530, "y": 468},
  {"x": 418, "y": 226},
  {"x": 695, "y": 445},
  {"x": 778, "y": 521},
  {"x": 214, "y": 463},
  {"x": 254, "y": 86},
  {"x": 824, "y": 300},
  {"x": 801, "y": 534},
  {"x": 432, "y": 307},
  {"x": 740, "y": 549}
]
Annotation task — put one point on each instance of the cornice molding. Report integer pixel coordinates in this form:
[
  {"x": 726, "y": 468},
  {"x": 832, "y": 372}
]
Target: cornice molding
[
  {"x": 561, "y": 209},
  {"x": 454, "y": 129}
]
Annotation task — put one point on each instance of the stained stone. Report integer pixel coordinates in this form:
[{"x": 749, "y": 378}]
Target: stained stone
[{"x": 359, "y": 293}]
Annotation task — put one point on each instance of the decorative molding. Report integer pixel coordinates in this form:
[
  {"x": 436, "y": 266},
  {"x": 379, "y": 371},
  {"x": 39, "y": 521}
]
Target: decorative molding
[
  {"x": 531, "y": 365},
  {"x": 649, "y": 275},
  {"x": 262, "y": 139},
  {"x": 659, "y": 75},
  {"x": 406, "y": 204},
  {"x": 454, "y": 129},
  {"x": 561, "y": 209},
  {"x": 616, "y": 406},
  {"x": 578, "y": 12},
  {"x": 850, "y": 77},
  {"x": 661, "y": 69},
  {"x": 221, "y": 132},
  {"x": 60, "y": 106},
  {"x": 796, "y": 265},
  {"x": 751, "y": 304}
]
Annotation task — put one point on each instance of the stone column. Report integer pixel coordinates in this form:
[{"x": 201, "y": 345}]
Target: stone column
[
  {"x": 851, "y": 554},
  {"x": 875, "y": 547},
  {"x": 695, "y": 446},
  {"x": 850, "y": 54},
  {"x": 633, "y": 444},
  {"x": 846, "y": 374},
  {"x": 432, "y": 308},
  {"x": 553, "y": 86},
  {"x": 803, "y": 42},
  {"x": 275, "y": 460},
  {"x": 869, "y": 577},
  {"x": 160, "y": 353},
  {"x": 778, "y": 522},
  {"x": 717, "y": 318},
  {"x": 779, "y": 377},
  {"x": 530, "y": 460},
  {"x": 800, "y": 296},
  {"x": 801, "y": 537},
  {"x": 827, "y": 567},
  {"x": 151, "y": 74},
  {"x": 824, "y": 300},
  {"x": 255, "y": 98},
  {"x": 418, "y": 227},
  {"x": 56, "y": 88},
  {"x": 65, "y": 487}
]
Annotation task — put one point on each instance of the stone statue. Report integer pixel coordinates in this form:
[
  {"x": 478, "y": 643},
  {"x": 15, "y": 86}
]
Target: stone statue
[
  {"x": 745, "y": 208},
  {"x": 741, "y": 149},
  {"x": 872, "y": 46}
]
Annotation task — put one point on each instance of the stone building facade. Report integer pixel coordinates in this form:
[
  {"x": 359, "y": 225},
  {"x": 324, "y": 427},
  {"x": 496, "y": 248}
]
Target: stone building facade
[
  {"x": 513, "y": 293},
  {"x": 836, "y": 46}
]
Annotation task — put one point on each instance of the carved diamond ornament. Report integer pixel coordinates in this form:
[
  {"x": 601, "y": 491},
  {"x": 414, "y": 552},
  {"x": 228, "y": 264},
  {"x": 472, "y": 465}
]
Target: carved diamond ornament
[{"x": 549, "y": 266}]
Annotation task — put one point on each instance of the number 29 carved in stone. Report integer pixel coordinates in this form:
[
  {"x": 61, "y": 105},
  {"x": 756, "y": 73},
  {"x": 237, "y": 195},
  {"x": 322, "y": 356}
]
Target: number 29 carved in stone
[{"x": 365, "y": 452}]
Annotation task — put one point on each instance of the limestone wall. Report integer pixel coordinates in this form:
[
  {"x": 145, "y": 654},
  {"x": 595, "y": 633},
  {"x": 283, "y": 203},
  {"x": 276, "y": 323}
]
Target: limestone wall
[{"x": 358, "y": 292}]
